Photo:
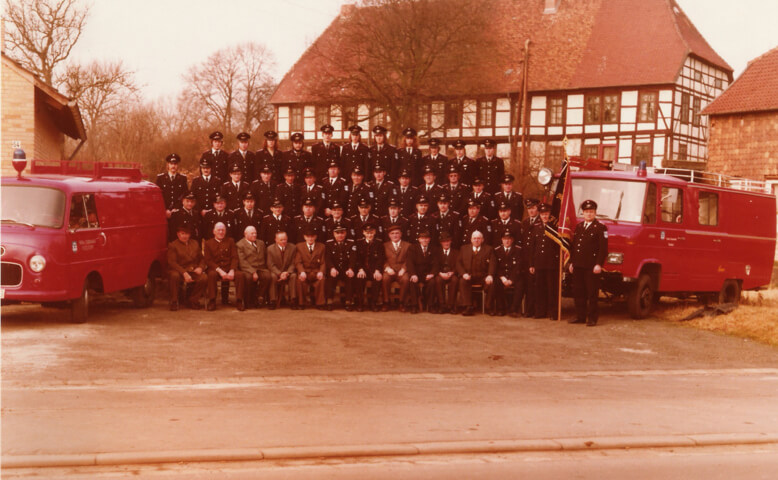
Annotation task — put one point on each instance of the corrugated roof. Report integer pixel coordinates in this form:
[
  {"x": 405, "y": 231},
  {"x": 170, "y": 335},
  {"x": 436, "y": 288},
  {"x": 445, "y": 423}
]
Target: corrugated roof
[{"x": 755, "y": 90}]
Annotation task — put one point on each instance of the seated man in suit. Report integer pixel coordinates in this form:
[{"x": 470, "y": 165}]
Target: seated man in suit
[
  {"x": 341, "y": 260},
  {"x": 311, "y": 267},
  {"x": 280, "y": 261},
  {"x": 253, "y": 267},
  {"x": 185, "y": 264},
  {"x": 221, "y": 258},
  {"x": 476, "y": 266},
  {"x": 395, "y": 268},
  {"x": 447, "y": 276},
  {"x": 370, "y": 261},
  {"x": 422, "y": 270}
]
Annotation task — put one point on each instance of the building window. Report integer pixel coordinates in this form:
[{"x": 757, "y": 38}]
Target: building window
[
  {"x": 486, "y": 113},
  {"x": 591, "y": 151},
  {"x": 554, "y": 156},
  {"x": 322, "y": 115},
  {"x": 642, "y": 154},
  {"x": 296, "y": 119},
  {"x": 453, "y": 118},
  {"x": 682, "y": 152},
  {"x": 609, "y": 153},
  {"x": 649, "y": 211},
  {"x": 423, "y": 117},
  {"x": 593, "y": 105},
  {"x": 696, "y": 107},
  {"x": 718, "y": 83},
  {"x": 709, "y": 208},
  {"x": 610, "y": 108},
  {"x": 647, "y": 107},
  {"x": 672, "y": 205},
  {"x": 349, "y": 116},
  {"x": 685, "y": 101},
  {"x": 555, "y": 114},
  {"x": 698, "y": 75}
]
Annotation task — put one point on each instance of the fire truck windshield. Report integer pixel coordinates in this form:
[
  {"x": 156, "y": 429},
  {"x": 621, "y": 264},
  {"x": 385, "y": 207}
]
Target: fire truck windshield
[
  {"x": 616, "y": 199},
  {"x": 33, "y": 206}
]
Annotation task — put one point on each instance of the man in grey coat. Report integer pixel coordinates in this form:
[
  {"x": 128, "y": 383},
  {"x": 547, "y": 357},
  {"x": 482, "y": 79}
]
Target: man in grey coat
[{"x": 253, "y": 267}]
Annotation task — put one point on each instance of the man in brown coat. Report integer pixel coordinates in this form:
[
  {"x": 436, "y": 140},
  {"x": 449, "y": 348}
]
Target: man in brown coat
[
  {"x": 280, "y": 261},
  {"x": 186, "y": 265},
  {"x": 395, "y": 268},
  {"x": 476, "y": 266},
  {"x": 311, "y": 265},
  {"x": 253, "y": 267},
  {"x": 221, "y": 258}
]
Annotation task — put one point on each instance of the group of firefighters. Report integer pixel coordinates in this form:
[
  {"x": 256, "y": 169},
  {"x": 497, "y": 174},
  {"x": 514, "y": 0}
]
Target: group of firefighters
[{"x": 427, "y": 232}]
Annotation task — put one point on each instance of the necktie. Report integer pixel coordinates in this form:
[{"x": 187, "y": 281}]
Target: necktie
[
  {"x": 586, "y": 226},
  {"x": 310, "y": 187},
  {"x": 310, "y": 249},
  {"x": 424, "y": 250},
  {"x": 394, "y": 220},
  {"x": 207, "y": 179},
  {"x": 254, "y": 245},
  {"x": 332, "y": 181},
  {"x": 403, "y": 189},
  {"x": 396, "y": 247},
  {"x": 409, "y": 150}
]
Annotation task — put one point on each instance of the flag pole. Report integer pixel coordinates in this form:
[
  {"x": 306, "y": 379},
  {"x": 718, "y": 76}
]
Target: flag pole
[{"x": 561, "y": 255}]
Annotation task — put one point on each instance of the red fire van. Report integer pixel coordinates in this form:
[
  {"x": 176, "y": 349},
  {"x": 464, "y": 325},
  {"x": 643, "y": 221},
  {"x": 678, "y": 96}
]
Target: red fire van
[
  {"x": 679, "y": 233},
  {"x": 71, "y": 229}
]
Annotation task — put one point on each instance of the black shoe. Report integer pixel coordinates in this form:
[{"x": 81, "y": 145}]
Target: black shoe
[
  {"x": 576, "y": 320},
  {"x": 173, "y": 306},
  {"x": 591, "y": 323},
  {"x": 469, "y": 312},
  {"x": 349, "y": 307},
  {"x": 211, "y": 305},
  {"x": 514, "y": 314},
  {"x": 271, "y": 305},
  {"x": 492, "y": 313},
  {"x": 414, "y": 309},
  {"x": 240, "y": 306},
  {"x": 195, "y": 306}
]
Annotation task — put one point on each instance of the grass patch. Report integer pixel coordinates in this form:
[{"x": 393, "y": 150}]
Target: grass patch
[{"x": 756, "y": 318}]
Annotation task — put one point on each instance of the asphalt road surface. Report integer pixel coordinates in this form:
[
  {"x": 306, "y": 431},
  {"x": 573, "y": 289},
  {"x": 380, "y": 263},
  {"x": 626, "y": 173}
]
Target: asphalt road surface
[{"x": 133, "y": 381}]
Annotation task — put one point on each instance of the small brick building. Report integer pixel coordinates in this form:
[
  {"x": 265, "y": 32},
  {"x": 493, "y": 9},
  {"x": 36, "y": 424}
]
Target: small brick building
[{"x": 35, "y": 116}]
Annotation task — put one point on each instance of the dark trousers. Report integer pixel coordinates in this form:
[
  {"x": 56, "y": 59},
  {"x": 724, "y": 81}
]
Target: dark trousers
[
  {"x": 213, "y": 277},
  {"x": 402, "y": 280},
  {"x": 365, "y": 294},
  {"x": 530, "y": 292},
  {"x": 586, "y": 289},
  {"x": 198, "y": 286},
  {"x": 304, "y": 288},
  {"x": 502, "y": 302},
  {"x": 546, "y": 281},
  {"x": 466, "y": 290},
  {"x": 440, "y": 289},
  {"x": 348, "y": 287},
  {"x": 255, "y": 290},
  {"x": 424, "y": 289}
]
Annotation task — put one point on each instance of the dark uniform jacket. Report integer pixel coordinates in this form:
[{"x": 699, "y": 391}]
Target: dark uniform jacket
[
  {"x": 407, "y": 200},
  {"x": 316, "y": 193},
  {"x": 271, "y": 225},
  {"x": 300, "y": 223},
  {"x": 297, "y": 160},
  {"x": 451, "y": 222},
  {"x": 330, "y": 225},
  {"x": 498, "y": 227},
  {"x": 480, "y": 265},
  {"x": 458, "y": 197},
  {"x": 590, "y": 245},
  {"x": 263, "y": 194},
  {"x": 357, "y": 194},
  {"x": 243, "y": 220},
  {"x": 322, "y": 155},
  {"x": 422, "y": 263},
  {"x": 264, "y": 158},
  {"x": 486, "y": 200},
  {"x": 205, "y": 192},
  {"x": 185, "y": 257},
  {"x": 470, "y": 225},
  {"x": 221, "y": 254},
  {"x": 386, "y": 157},
  {"x": 543, "y": 251},
  {"x": 212, "y": 217},
  {"x": 416, "y": 225},
  {"x": 508, "y": 263},
  {"x": 183, "y": 217},
  {"x": 409, "y": 161},
  {"x": 515, "y": 201},
  {"x": 527, "y": 226},
  {"x": 350, "y": 158},
  {"x": 219, "y": 163},
  {"x": 491, "y": 172},
  {"x": 382, "y": 193},
  {"x": 467, "y": 169},
  {"x": 370, "y": 257},
  {"x": 440, "y": 165},
  {"x": 336, "y": 191},
  {"x": 341, "y": 256},
  {"x": 234, "y": 194},
  {"x": 357, "y": 225},
  {"x": 289, "y": 195},
  {"x": 432, "y": 193},
  {"x": 386, "y": 222},
  {"x": 173, "y": 190},
  {"x": 245, "y": 161}
]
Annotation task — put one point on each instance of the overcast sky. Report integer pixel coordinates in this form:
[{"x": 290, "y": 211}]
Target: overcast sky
[{"x": 161, "y": 39}]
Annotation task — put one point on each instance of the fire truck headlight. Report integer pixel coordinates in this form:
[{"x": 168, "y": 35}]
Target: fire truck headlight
[
  {"x": 616, "y": 258},
  {"x": 37, "y": 263},
  {"x": 544, "y": 176}
]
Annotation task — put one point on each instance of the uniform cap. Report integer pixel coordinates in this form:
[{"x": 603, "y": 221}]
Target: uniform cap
[
  {"x": 478, "y": 181},
  {"x": 472, "y": 202},
  {"x": 173, "y": 158},
  {"x": 235, "y": 168},
  {"x": 189, "y": 196},
  {"x": 308, "y": 173},
  {"x": 243, "y": 136},
  {"x": 333, "y": 163},
  {"x": 327, "y": 128},
  {"x": 434, "y": 142},
  {"x": 205, "y": 162},
  {"x": 271, "y": 134},
  {"x": 507, "y": 233},
  {"x": 544, "y": 207},
  {"x": 266, "y": 169},
  {"x": 379, "y": 167},
  {"x": 453, "y": 169},
  {"x": 379, "y": 130},
  {"x": 276, "y": 203},
  {"x": 363, "y": 203},
  {"x": 309, "y": 202},
  {"x": 405, "y": 173},
  {"x": 429, "y": 169},
  {"x": 503, "y": 206},
  {"x": 489, "y": 143},
  {"x": 336, "y": 205},
  {"x": 531, "y": 202},
  {"x": 460, "y": 144},
  {"x": 357, "y": 171},
  {"x": 409, "y": 132},
  {"x": 422, "y": 199},
  {"x": 217, "y": 135},
  {"x": 367, "y": 227},
  {"x": 394, "y": 203},
  {"x": 443, "y": 198},
  {"x": 184, "y": 227},
  {"x": 589, "y": 205},
  {"x": 339, "y": 229},
  {"x": 355, "y": 129},
  {"x": 394, "y": 227},
  {"x": 290, "y": 171},
  {"x": 424, "y": 234},
  {"x": 219, "y": 198},
  {"x": 508, "y": 178},
  {"x": 297, "y": 137},
  {"x": 248, "y": 196},
  {"x": 445, "y": 236}
]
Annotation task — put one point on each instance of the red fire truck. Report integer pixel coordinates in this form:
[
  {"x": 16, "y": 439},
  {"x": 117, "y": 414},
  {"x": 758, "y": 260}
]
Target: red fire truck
[
  {"x": 72, "y": 229},
  {"x": 678, "y": 232}
]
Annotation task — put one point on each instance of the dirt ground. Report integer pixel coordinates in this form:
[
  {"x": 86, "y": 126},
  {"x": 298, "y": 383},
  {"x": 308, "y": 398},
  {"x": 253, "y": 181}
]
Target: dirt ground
[{"x": 121, "y": 342}]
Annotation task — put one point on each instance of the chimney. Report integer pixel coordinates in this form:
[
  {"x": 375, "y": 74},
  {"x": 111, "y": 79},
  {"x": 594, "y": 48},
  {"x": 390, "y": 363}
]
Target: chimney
[
  {"x": 551, "y": 6},
  {"x": 347, "y": 9}
]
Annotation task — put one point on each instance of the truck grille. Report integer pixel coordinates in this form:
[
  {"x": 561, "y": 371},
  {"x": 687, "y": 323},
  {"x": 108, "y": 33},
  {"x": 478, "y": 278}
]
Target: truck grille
[{"x": 10, "y": 274}]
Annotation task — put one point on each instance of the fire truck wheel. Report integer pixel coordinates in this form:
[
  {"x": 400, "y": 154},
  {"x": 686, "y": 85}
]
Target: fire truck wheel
[
  {"x": 641, "y": 298},
  {"x": 79, "y": 308},
  {"x": 730, "y": 292},
  {"x": 143, "y": 296}
]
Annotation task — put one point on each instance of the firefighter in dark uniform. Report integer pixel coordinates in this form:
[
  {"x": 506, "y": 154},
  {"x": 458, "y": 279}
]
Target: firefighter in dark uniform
[
  {"x": 308, "y": 220},
  {"x": 465, "y": 165},
  {"x": 430, "y": 188},
  {"x": 437, "y": 161},
  {"x": 409, "y": 157},
  {"x": 172, "y": 184},
  {"x": 218, "y": 213},
  {"x": 406, "y": 193},
  {"x": 381, "y": 153},
  {"x": 354, "y": 154},
  {"x": 485, "y": 199},
  {"x": 275, "y": 222},
  {"x": 335, "y": 188},
  {"x": 364, "y": 217},
  {"x": 270, "y": 156},
  {"x": 544, "y": 265},
  {"x": 324, "y": 152},
  {"x": 205, "y": 187},
  {"x": 218, "y": 158},
  {"x": 337, "y": 219},
  {"x": 358, "y": 191},
  {"x": 447, "y": 220},
  {"x": 393, "y": 217},
  {"x": 263, "y": 188},
  {"x": 491, "y": 169},
  {"x": 341, "y": 258},
  {"x": 244, "y": 158},
  {"x": 235, "y": 189},
  {"x": 508, "y": 274},
  {"x": 186, "y": 215},
  {"x": 447, "y": 275},
  {"x": 513, "y": 199},
  {"x": 289, "y": 194},
  {"x": 505, "y": 221},
  {"x": 297, "y": 158},
  {"x": 527, "y": 225},
  {"x": 311, "y": 190},
  {"x": 369, "y": 267},
  {"x": 422, "y": 221},
  {"x": 474, "y": 221},
  {"x": 588, "y": 252},
  {"x": 457, "y": 191},
  {"x": 248, "y": 216},
  {"x": 422, "y": 270},
  {"x": 383, "y": 190}
]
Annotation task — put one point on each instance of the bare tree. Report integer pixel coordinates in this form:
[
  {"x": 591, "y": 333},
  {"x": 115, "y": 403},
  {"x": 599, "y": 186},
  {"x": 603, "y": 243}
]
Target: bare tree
[
  {"x": 231, "y": 87},
  {"x": 43, "y": 32},
  {"x": 397, "y": 54}
]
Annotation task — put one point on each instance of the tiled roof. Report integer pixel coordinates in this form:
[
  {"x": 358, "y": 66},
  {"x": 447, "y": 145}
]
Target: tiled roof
[
  {"x": 755, "y": 90},
  {"x": 585, "y": 44}
]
